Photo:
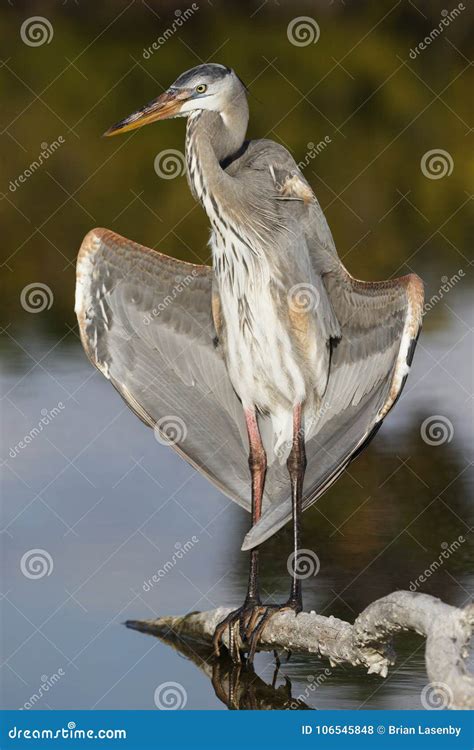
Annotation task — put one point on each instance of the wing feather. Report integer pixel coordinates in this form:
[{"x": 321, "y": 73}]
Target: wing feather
[
  {"x": 145, "y": 322},
  {"x": 380, "y": 323}
]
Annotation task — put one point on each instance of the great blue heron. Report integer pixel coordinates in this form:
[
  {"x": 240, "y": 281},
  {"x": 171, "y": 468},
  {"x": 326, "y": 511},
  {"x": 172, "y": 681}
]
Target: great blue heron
[{"x": 276, "y": 355}]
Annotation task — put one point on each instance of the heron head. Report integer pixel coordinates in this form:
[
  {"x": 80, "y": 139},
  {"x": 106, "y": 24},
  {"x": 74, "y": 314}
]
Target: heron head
[{"x": 209, "y": 86}]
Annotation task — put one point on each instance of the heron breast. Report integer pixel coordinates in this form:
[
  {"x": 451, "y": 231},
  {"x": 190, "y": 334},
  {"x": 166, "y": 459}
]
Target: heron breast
[{"x": 260, "y": 353}]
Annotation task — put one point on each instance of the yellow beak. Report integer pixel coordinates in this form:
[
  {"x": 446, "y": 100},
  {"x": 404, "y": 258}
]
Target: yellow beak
[{"x": 165, "y": 106}]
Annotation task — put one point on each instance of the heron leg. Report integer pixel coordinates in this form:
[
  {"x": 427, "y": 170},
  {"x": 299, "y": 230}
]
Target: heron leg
[
  {"x": 296, "y": 464},
  {"x": 245, "y": 617},
  {"x": 258, "y": 470},
  {"x": 251, "y": 619}
]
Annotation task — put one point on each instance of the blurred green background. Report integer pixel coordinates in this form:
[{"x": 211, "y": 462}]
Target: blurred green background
[{"x": 357, "y": 85}]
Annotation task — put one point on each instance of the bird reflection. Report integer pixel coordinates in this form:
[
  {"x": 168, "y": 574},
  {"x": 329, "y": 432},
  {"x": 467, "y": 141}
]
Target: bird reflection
[
  {"x": 240, "y": 688},
  {"x": 236, "y": 685}
]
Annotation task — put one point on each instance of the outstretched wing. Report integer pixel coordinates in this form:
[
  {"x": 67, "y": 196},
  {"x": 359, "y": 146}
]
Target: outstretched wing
[
  {"x": 145, "y": 322},
  {"x": 371, "y": 354},
  {"x": 379, "y": 323}
]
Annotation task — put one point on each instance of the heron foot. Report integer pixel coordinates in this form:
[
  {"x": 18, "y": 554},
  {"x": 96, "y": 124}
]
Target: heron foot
[{"x": 247, "y": 624}]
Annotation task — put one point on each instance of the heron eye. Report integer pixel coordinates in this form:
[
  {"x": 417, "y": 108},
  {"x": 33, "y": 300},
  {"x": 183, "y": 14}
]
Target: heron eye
[{"x": 201, "y": 88}]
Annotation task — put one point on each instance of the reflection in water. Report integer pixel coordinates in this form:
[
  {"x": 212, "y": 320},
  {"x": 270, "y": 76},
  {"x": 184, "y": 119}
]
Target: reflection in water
[{"x": 238, "y": 686}]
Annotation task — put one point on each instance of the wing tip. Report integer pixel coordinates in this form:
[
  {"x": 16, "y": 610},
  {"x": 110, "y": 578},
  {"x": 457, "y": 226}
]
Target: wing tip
[
  {"x": 253, "y": 538},
  {"x": 89, "y": 245},
  {"x": 91, "y": 239},
  {"x": 271, "y": 521},
  {"x": 415, "y": 290}
]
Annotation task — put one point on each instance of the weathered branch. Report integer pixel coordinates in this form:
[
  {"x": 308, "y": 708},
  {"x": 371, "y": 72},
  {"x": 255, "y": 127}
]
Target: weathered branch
[{"x": 366, "y": 643}]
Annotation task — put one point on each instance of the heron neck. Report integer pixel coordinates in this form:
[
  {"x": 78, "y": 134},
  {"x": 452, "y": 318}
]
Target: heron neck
[{"x": 211, "y": 138}]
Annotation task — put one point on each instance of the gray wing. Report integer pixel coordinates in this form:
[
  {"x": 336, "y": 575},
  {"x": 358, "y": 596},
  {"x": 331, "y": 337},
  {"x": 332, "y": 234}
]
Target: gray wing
[
  {"x": 379, "y": 323},
  {"x": 288, "y": 191},
  {"x": 145, "y": 322}
]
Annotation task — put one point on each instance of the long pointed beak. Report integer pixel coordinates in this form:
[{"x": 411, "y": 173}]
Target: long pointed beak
[{"x": 165, "y": 106}]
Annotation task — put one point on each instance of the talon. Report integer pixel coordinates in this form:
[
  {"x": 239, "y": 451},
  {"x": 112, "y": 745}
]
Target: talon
[
  {"x": 257, "y": 632},
  {"x": 247, "y": 624}
]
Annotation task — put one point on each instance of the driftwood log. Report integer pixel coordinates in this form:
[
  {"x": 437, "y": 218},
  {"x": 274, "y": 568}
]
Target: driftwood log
[{"x": 367, "y": 643}]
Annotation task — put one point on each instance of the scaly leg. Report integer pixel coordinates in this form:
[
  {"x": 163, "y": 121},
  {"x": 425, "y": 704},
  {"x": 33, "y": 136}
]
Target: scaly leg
[
  {"x": 296, "y": 464},
  {"x": 246, "y": 615},
  {"x": 296, "y": 468}
]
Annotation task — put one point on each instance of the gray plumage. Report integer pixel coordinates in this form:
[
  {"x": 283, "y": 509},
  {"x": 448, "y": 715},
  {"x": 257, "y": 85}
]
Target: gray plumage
[{"x": 276, "y": 320}]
